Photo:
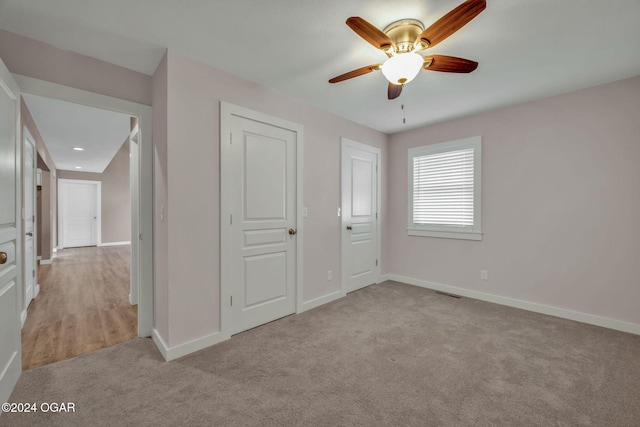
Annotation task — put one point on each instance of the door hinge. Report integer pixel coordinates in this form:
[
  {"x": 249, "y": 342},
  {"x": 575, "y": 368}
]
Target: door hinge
[
  {"x": 140, "y": 236},
  {"x": 230, "y": 138},
  {"x": 376, "y": 215},
  {"x": 34, "y": 273},
  {"x": 232, "y": 300},
  {"x": 376, "y": 263},
  {"x": 230, "y": 219}
]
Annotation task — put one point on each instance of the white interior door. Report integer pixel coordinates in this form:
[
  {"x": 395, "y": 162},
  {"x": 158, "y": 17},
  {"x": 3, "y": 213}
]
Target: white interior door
[
  {"x": 10, "y": 243},
  {"x": 79, "y": 212},
  {"x": 263, "y": 223},
  {"x": 360, "y": 207},
  {"x": 29, "y": 220}
]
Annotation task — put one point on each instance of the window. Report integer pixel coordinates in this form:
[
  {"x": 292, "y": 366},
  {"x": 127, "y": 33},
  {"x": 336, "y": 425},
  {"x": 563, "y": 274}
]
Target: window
[{"x": 444, "y": 189}]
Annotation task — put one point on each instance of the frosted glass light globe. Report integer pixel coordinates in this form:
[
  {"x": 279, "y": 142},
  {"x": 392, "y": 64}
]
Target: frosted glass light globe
[{"x": 402, "y": 68}]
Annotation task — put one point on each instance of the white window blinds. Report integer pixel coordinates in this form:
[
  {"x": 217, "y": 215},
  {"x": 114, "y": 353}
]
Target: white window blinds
[{"x": 443, "y": 188}]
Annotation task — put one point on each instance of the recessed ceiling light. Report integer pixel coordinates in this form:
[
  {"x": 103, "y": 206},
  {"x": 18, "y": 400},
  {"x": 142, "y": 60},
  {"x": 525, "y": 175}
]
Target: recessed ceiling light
[
  {"x": 78, "y": 167},
  {"x": 78, "y": 148}
]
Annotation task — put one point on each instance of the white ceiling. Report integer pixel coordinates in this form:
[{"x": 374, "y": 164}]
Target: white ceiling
[
  {"x": 64, "y": 125},
  {"x": 527, "y": 49}
]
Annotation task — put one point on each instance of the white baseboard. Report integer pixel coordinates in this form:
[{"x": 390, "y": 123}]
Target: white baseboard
[
  {"x": 23, "y": 315},
  {"x": 322, "y": 300},
  {"x": 114, "y": 244},
  {"x": 46, "y": 261},
  {"x": 171, "y": 353},
  {"x": 132, "y": 301},
  {"x": 591, "y": 319}
]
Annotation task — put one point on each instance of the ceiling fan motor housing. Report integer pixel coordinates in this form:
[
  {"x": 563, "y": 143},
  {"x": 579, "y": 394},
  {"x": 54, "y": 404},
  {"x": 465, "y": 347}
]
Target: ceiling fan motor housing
[{"x": 404, "y": 34}]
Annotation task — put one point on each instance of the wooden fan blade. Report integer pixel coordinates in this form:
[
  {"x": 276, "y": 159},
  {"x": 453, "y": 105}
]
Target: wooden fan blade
[
  {"x": 355, "y": 73},
  {"x": 449, "y": 64},
  {"x": 452, "y": 22},
  {"x": 394, "y": 91},
  {"x": 370, "y": 33}
]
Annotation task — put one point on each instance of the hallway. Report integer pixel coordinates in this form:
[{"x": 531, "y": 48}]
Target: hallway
[{"x": 83, "y": 305}]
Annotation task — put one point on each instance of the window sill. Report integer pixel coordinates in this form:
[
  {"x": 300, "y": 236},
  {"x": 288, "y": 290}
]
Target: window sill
[{"x": 463, "y": 235}]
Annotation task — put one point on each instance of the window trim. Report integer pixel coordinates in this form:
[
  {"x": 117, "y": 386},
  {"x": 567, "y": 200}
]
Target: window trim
[{"x": 451, "y": 232}]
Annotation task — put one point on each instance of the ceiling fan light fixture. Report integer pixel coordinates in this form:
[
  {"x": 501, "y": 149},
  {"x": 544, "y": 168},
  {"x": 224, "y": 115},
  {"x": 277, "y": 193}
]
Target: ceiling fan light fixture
[
  {"x": 402, "y": 68},
  {"x": 401, "y": 40}
]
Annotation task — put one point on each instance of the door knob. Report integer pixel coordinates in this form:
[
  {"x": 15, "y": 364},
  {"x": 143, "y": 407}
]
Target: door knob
[
  {"x": 3, "y": 257},
  {"x": 29, "y": 234},
  {"x": 292, "y": 231},
  {"x": 349, "y": 227}
]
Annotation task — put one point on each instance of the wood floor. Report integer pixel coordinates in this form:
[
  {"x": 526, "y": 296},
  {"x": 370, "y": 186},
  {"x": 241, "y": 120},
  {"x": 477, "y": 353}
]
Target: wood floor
[{"x": 83, "y": 305}]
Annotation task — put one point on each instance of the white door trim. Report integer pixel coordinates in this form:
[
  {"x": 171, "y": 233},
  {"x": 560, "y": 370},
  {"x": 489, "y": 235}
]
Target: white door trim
[
  {"x": 134, "y": 197},
  {"x": 228, "y": 110},
  {"x": 145, "y": 161},
  {"x": 377, "y": 151},
  {"x": 29, "y": 294}
]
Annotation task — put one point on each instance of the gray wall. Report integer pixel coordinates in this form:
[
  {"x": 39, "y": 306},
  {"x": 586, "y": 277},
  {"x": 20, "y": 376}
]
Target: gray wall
[
  {"x": 560, "y": 204},
  {"x": 116, "y": 199}
]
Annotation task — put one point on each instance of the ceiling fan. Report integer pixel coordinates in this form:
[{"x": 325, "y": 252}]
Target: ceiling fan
[{"x": 401, "y": 40}]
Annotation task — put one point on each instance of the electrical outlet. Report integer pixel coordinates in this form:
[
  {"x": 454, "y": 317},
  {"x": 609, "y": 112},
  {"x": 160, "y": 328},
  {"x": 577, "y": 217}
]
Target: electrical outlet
[
  {"x": 329, "y": 275},
  {"x": 484, "y": 275}
]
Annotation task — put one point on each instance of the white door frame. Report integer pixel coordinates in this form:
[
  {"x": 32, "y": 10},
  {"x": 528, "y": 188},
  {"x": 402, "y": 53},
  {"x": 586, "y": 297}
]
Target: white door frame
[
  {"x": 143, "y": 112},
  {"x": 228, "y": 110},
  {"x": 29, "y": 294},
  {"x": 345, "y": 143},
  {"x": 134, "y": 196},
  {"x": 62, "y": 210}
]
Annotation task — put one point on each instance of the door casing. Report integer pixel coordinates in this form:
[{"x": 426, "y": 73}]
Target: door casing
[
  {"x": 228, "y": 110},
  {"x": 29, "y": 261},
  {"x": 144, "y": 115},
  {"x": 134, "y": 188}
]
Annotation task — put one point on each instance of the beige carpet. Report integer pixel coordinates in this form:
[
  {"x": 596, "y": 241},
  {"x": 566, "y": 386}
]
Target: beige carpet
[{"x": 388, "y": 355}]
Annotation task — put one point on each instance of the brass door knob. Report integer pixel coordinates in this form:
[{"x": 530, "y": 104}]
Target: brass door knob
[
  {"x": 3, "y": 257},
  {"x": 292, "y": 231},
  {"x": 349, "y": 227}
]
